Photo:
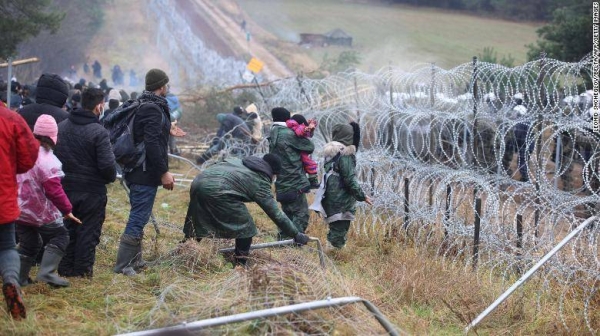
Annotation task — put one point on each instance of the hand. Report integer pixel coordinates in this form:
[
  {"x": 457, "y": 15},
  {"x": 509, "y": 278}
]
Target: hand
[
  {"x": 167, "y": 180},
  {"x": 369, "y": 200},
  {"x": 70, "y": 216},
  {"x": 301, "y": 239}
]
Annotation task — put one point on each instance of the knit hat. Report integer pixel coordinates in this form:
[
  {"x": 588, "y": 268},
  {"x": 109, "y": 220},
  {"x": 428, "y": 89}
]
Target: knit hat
[
  {"x": 238, "y": 110},
  {"x": 221, "y": 117},
  {"x": 46, "y": 126},
  {"x": 274, "y": 161},
  {"x": 155, "y": 79},
  {"x": 280, "y": 114}
]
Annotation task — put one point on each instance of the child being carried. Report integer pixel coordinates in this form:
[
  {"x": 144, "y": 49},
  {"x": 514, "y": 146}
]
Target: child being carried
[{"x": 305, "y": 129}]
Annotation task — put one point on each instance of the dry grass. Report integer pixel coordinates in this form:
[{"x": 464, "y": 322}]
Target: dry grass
[{"x": 415, "y": 289}]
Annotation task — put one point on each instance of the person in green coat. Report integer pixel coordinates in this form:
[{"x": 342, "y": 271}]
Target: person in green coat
[
  {"x": 341, "y": 186},
  {"x": 217, "y": 198},
  {"x": 292, "y": 183}
]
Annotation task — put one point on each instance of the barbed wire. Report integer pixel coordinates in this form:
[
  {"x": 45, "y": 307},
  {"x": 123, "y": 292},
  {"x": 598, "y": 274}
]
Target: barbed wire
[{"x": 518, "y": 139}]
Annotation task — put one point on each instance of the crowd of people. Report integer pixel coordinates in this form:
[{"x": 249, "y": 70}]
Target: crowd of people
[{"x": 58, "y": 157}]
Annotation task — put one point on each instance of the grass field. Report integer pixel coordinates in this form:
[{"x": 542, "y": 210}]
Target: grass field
[
  {"x": 417, "y": 291},
  {"x": 393, "y": 34}
]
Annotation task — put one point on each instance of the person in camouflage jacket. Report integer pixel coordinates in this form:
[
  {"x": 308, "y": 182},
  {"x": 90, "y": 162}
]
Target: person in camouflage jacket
[
  {"x": 292, "y": 183},
  {"x": 342, "y": 188},
  {"x": 217, "y": 198}
]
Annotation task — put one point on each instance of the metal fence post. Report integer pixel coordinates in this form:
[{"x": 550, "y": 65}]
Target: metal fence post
[
  {"x": 406, "y": 208},
  {"x": 9, "y": 88},
  {"x": 476, "y": 232}
]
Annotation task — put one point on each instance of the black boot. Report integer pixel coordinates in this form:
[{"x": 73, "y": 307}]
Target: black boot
[
  {"x": 129, "y": 247},
  {"x": 26, "y": 264},
  {"x": 49, "y": 265}
]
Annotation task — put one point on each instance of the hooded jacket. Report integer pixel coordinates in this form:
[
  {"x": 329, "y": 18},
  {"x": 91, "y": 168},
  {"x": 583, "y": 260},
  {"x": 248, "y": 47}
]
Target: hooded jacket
[
  {"x": 284, "y": 143},
  {"x": 86, "y": 154},
  {"x": 217, "y": 198},
  {"x": 51, "y": 96},
  {"x": 18, "y": 154},
  {"x": 342, "y": 190}
]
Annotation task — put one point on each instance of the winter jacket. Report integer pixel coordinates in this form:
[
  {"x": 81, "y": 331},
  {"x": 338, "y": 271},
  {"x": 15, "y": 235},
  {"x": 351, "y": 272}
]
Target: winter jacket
[
  {"x": 18, "y": 153},
  {"x": 310, "y": 166},
  {"x": 233, "y": 125},
  {"x": 217, "y": 199},
  {"x": 41, "y": 198},
  {"x": 51, "y": 96},
  {"x": 342, "y": 189},
  {"x": 174, "y": 107},
  {"x": 86, "y": 154},
  {"x": 152, "y": 126},
  {"x": 284, "y": 143}
]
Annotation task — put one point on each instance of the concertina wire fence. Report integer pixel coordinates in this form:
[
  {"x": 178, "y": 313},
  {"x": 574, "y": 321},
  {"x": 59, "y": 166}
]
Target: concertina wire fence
[{"x": 488, "y": 165}]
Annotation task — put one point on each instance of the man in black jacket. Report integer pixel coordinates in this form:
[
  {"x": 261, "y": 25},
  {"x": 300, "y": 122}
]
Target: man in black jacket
[
  {"x": 51, "y": 96},
  {"x": 89, "y": 164},
  {"x": 151, "y": 126}
]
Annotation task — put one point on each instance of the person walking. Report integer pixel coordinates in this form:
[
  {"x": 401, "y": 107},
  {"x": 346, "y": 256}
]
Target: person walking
[
  {"x": 18, "y": 154},
  {"x": 341, "y": 186},
  {"x": 89, "y": 164},
  {"x": 292, "y": 184},
  {"x": 217, "y": 198},
  {"x": 43, "y": 204},
  {"x": 151, "y": 126}
]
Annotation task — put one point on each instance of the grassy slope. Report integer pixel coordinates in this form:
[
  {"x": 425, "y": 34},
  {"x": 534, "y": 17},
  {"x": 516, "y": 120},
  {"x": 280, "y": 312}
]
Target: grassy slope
[{"x": 396, "y": 35}]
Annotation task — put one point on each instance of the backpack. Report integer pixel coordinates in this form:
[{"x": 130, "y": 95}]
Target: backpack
[
  {"x": 119, "y": 124},
  {"x": 317, "y": 205}
]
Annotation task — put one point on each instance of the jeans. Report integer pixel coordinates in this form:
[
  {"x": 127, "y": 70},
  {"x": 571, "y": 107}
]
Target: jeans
[
  {"x": 10, "y": 263},
  {"x": 30, "y": 238},
  {"x": 141, "y": 198}
]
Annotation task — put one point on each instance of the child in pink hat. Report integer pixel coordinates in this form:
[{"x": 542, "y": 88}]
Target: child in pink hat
[{"x": 43, "y": 204}]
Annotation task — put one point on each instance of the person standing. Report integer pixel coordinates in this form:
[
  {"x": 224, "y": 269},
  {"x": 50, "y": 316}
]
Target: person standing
[
  {"x": 292, "y": 183},
  {"x": 342, "y": 189},
  {"x": 89, "y": 164},
  {"x": 43, "y": 204},
  {"x": 152, "y": 127},
  {"x": 18, "y": 154},
  {"x": 51, "y": 96}
]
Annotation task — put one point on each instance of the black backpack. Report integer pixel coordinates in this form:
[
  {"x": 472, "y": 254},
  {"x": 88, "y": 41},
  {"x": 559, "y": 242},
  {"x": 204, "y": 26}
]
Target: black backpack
[{"x": 119, "y": 124}]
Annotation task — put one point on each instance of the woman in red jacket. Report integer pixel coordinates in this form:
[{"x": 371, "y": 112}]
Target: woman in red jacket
[{"x": 18, "y": 153}]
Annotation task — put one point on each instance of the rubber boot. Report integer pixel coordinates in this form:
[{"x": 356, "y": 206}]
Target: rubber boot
[
  {"x": 138, "y": 262},
  {"x": 49, "y": 265},
  {"x": 129, "y": 248},
  {"x": 26, "y": 264}
]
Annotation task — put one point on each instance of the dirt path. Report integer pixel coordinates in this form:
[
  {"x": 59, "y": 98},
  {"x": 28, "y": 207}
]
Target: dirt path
[
  {"x": 230, "y": 30},
  {"x": 201, "y": 27}
]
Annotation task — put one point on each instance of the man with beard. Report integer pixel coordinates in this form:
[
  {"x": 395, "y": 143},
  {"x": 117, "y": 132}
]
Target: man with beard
[{"x": 151, "y": 126}]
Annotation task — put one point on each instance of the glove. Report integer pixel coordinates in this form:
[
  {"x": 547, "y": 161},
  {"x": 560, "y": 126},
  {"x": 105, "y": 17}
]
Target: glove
[{"x": 301, "y": 239}]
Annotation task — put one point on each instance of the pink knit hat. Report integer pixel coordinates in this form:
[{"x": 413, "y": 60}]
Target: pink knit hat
[{"x": 46, "y": 126}]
